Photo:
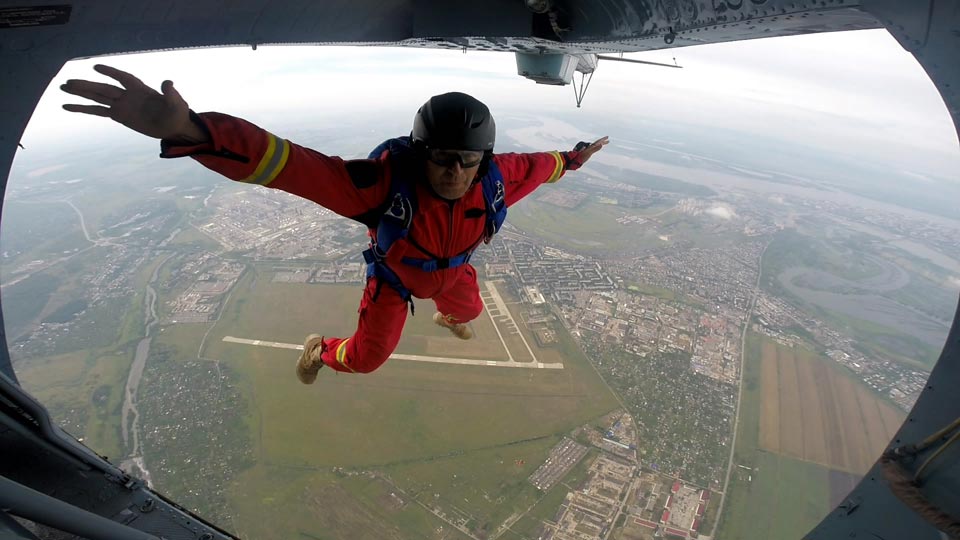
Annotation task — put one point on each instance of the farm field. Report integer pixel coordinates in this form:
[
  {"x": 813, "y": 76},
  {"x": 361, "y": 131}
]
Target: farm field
[
  {"x": 436, "y": 435},
  {"x": 808, "y": 431},
  {"x": 813, "y": 411}
]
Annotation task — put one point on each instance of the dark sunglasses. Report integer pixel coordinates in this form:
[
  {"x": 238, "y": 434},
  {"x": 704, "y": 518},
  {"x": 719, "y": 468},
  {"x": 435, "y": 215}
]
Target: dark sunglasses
[{"x": 447, "y": 158}]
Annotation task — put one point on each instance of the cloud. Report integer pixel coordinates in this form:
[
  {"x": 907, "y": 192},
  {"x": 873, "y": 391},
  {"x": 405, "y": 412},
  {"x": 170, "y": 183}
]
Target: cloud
[
  {"x": 722, "y": 212},
  {"x": 855, "y": 92},
  {"x": 549, "y": 133}
]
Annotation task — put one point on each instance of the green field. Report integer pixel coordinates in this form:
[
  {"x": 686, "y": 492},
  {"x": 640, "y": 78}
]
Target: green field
[
  {"x": 588, "y": 222},
  {"x": 83, "y": 380},
  {"x": 849, "y": 258},
  {"x": 550, "y": 501},
  {"x": 647, "y": 289},
  {"x": 778, "y": 497},
  {"x": 83, "y": 391},
  {"x": 748, "y": 434},
  {"x": 24, "y": 302},
  {"x": 592, "y": 228},
  {"x": 38, "y": 230},
  {"x": 670, "y": 185},
  {"x": 652, "y": 290},
  {"x": 413, "y": 450},
  {"x": 448, "y": 436},
  {"x": 329, "y": 505},
  {"x": 875, "y": 340},
  {"x": 192, "y": 237}
]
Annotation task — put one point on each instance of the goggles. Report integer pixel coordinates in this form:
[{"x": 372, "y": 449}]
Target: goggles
[{"x": 447, "y": 158}]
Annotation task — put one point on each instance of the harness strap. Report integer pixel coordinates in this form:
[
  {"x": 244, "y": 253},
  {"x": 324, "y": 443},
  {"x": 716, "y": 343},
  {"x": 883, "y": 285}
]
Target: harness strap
[
  {"x": 384, "y": 274},
  {"x": 494, "y": 197},
  {"x": 417, "y": 245},
  {"x": 435, "y": 263},
  {"x": 432, "y": 265}
]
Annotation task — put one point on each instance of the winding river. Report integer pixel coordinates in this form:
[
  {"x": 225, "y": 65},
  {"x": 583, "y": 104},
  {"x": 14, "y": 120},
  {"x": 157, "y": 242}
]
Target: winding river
[
  {"x": 129, "y": 415},
  {"x": 861, "y": 299}
]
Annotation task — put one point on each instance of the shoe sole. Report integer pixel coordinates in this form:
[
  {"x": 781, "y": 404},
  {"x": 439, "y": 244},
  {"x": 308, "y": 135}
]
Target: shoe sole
[
  {"x": 440, "y": 321},
  {"x": 307, "y": 375}
]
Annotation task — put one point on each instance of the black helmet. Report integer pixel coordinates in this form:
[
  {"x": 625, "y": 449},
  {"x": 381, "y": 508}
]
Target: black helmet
[{"x": 454, "y": 121}]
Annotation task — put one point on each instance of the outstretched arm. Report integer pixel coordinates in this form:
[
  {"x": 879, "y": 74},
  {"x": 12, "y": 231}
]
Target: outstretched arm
[
  {"x": 233, "y": 147},
  {"x": 524, "y": 173}
]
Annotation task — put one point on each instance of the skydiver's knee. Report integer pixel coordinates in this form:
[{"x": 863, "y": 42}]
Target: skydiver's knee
[
  {"x": 366, "y": 368},
  {"x": 468, "y": 313},
  {"x": 370, "y": 361}
]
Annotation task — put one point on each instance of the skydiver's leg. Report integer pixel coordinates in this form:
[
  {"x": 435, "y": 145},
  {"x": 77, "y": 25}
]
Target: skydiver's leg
[
  {"x": 382, "y": 315},
  {"x": 460, "y": 304}
]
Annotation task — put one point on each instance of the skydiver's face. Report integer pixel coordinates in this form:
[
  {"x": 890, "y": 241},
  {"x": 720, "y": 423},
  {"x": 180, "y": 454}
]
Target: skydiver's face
[{"x": 451, "y": 172}]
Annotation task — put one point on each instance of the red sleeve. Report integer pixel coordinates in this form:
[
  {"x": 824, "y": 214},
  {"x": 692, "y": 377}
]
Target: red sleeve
[
  {"x": 523, "y": 173},
  {"x": 246, "y": 153}
]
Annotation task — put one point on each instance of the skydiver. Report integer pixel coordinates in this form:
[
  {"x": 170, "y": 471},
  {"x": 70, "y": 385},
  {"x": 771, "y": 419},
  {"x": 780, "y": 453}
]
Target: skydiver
[{"x": 443, "y": 185}]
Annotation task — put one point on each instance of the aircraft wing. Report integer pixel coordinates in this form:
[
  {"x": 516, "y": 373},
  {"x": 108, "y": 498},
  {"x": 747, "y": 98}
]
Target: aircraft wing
[{"x": 37, "y": 38}]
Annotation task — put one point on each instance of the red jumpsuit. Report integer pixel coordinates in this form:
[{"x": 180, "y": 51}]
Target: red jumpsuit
[{"x": 357, "y": 189}]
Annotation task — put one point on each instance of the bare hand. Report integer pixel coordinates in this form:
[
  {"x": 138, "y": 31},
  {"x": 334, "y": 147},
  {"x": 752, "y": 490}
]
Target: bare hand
[
  {"x": 137, "y": 106},
  {"x": 594, "y": 147}
]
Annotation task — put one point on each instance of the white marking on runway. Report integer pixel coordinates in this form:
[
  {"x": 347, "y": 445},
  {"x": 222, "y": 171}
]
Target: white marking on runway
[
  {"x": 504, "y": 311},
  {"x": 410, "y": 357}
]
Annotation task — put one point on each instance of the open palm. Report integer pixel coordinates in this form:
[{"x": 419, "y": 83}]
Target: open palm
[
  {"x": 592, "y": 149},
  {"x": 135, "y": 105}
]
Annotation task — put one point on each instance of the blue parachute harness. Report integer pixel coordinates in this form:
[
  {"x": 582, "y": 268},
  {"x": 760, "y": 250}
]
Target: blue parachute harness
[{"x": 395, "y": 222}]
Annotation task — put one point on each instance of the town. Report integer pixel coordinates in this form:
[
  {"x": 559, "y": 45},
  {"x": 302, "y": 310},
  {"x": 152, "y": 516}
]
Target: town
[{"x": 664, "y": 326}]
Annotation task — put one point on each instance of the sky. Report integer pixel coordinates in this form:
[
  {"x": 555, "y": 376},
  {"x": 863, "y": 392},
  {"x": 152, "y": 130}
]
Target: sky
[{"x": 856, "y": 91}]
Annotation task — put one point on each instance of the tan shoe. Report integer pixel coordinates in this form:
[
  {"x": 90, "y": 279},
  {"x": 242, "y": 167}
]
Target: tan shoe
[
  {"x": 309, "y": 363},
  {"x": 461, "y": 330}
]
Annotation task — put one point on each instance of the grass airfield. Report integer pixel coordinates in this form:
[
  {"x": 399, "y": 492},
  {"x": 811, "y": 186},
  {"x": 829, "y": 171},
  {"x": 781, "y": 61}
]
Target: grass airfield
[
  {"x": 808, "y": 432},
  {"x": 413, "y": 450}
]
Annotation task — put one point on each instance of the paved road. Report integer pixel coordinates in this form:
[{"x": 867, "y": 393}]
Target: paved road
[{"x": 736, "y": 418}]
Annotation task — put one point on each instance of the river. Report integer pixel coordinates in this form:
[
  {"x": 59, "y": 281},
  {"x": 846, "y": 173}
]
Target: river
[
  {"x": 129, "y": 415},
  {"x": 860, "y": 299},
  {"x": 912, "y": 247}
]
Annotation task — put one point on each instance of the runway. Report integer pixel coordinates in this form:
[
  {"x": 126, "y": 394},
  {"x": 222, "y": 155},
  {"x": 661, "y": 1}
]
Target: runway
[{"x": 408, "y": 357}]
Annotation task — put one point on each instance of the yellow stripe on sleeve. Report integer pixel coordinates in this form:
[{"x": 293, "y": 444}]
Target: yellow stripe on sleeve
[
  {"x": 342, "y": 354},
  {"x": 557, "y": 169},
  {"x": 281, "y": 163},
  {"x": 272, "y": 163},
  {"x": 264, "y": 161}
]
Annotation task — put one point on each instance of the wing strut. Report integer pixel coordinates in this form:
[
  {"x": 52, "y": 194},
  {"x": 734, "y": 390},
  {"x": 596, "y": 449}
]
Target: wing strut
[{"x": 582, "y": 91}]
